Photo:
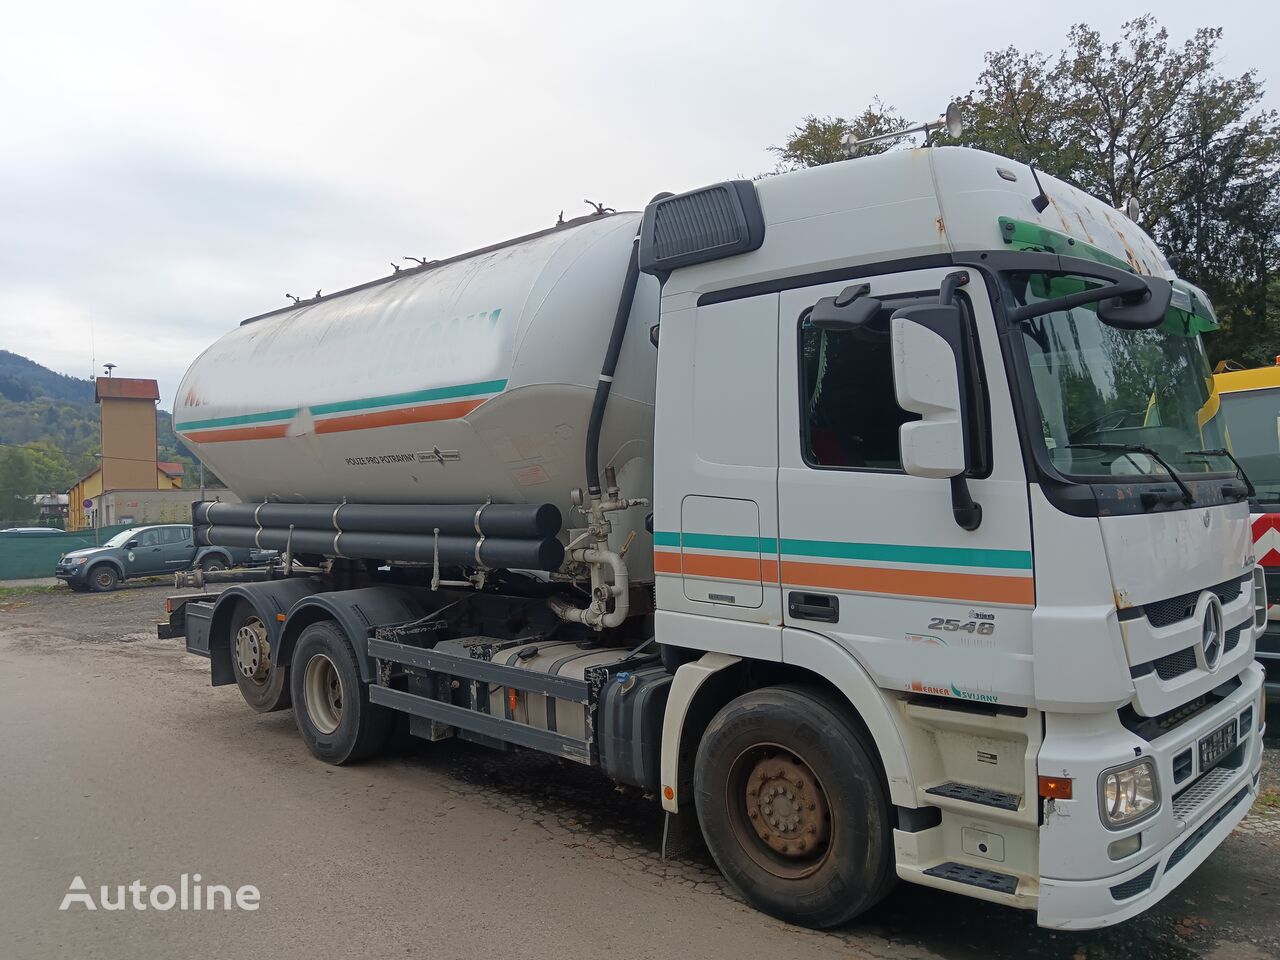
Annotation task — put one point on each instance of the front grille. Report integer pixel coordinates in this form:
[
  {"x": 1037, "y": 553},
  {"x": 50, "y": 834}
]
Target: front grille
[
  {"x": 1231, "y": 640},
  {"x": 1164, "y": 613},
  {"x": 1174, "y": 665},
  {"x": 1182, "y": 766},
  {"x": 1139, "y": 884},
  {"x": 1203, "y": 830}
]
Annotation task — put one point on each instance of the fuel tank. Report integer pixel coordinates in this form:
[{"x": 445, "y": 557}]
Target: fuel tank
[{"x": 457, "y": 382}]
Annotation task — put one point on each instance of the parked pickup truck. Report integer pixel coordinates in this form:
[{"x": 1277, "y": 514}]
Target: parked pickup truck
[{"x": 147, "y": 551}]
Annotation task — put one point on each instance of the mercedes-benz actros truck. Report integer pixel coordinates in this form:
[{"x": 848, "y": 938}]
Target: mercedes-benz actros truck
[{"x": 876, "y": 515}]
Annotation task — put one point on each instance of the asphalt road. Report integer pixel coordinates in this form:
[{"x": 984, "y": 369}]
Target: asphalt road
[{"x": 118, "y": 762}]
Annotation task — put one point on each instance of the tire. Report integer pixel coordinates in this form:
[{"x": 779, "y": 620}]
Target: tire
[
  {"x": 788, "y": 759},
  {"x": 212, "y": 564},
  {"x": 324, "y": 667},
  {"x": 103, "y": 578},
  {"x": 263, "y": 683}
]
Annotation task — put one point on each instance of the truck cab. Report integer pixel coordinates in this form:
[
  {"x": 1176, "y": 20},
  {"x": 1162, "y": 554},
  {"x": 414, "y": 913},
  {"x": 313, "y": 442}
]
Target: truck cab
[
  {"x": 1250, "y": 402},
  {"x": 939, "y": 470}
]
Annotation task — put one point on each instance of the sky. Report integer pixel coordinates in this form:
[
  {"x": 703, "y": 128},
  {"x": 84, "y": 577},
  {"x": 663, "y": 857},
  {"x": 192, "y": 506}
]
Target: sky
[{"x": 168, "y": 169}]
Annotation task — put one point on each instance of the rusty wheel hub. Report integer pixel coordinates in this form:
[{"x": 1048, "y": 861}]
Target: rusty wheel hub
[{"x": 788, "y": 808}]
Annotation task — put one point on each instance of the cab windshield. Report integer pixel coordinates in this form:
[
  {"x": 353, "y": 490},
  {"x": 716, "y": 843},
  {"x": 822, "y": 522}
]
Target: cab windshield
[
  {"x": 1253, "y": 429},
  {"x": 1096, "y": 384},
  {"x": 123, "y": 537}
]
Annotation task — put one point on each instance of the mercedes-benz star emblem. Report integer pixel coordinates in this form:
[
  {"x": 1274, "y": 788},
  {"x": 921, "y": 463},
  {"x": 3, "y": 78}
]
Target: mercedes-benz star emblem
[{"x": 1211, "y": 636}]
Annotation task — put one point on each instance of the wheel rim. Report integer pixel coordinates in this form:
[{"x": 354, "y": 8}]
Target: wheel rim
[
  {"x": 779, "y": 811},
  {"x": 103, "y": 578},
  {"x": 253, "y": 651},
  {"x": 322, "y": 688}
]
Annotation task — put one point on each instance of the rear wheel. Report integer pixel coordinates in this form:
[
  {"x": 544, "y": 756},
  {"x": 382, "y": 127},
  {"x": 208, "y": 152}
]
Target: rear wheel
[
  {"x": 263, "y": 683},
  {"x": 331, "y": 702},
  {"x": 103, "y": 578},
  {"x": 213, "y": 564},
  {"x": 793, "y": 807}
]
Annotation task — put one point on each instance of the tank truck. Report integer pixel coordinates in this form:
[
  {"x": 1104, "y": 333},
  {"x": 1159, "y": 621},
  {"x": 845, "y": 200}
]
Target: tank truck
[{"x": 874, "y": 518}]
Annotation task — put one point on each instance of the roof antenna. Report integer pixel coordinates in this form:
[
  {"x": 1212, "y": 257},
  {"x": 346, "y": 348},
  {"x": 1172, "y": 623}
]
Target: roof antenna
[
  {"x": 108, "y": 367},
  {"x": 1041, "y": 200},
  {"x": 951, "y": 121}
]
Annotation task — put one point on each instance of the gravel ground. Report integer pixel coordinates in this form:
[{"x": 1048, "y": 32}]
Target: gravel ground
[{"x": 120, "y": 762}]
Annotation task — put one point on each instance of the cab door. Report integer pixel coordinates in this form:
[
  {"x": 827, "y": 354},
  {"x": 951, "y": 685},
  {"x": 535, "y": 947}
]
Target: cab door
[
  {"x": 148, "y": 556},
  {"x": 873, "y": 558},
  {"x": 179, "y": 547}
]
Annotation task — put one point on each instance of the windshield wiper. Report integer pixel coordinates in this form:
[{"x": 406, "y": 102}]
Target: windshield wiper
[
  {"x": 1224, "y": 452},
  {"x": 1187, "y": 495}
]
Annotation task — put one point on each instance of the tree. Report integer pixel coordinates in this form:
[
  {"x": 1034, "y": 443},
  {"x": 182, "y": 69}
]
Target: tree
[
  {"x": 17, "y": 485},
  {"x": 1140, "y": 117},
  {"x": 820, "y": 140},
  {"x": 53, "y": 471},
  {"x": 1145, "y": 118}
]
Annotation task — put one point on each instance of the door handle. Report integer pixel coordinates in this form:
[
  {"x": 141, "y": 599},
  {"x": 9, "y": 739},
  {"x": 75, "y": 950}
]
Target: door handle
[{"x": 813, "y": 606}]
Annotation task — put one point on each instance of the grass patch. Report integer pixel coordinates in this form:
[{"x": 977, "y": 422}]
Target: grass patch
[
  {"x": 28, "y": 591},
  {"x": 1269, "y": 800}
]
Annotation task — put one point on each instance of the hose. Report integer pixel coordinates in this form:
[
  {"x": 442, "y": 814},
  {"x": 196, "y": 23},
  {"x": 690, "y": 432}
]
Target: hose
[{"x": 605, "y": 382}]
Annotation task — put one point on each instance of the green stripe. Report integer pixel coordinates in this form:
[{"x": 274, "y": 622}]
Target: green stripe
[
  {"x": 901, "y": 553},
  {"x": 344, "y": 406},
  {"x": 716, "y": 541},
  {"x": 886, "y": 552}
]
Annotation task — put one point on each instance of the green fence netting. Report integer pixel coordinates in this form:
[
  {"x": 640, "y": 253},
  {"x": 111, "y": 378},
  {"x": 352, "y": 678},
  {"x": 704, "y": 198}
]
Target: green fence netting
[{"x": 23, "y": 556}]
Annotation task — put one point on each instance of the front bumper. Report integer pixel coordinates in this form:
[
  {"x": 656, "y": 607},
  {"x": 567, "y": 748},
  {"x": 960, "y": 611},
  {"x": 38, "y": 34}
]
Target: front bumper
[
  {"x": 71, "y": 574},
  {"x": 1080, "y": 887}
]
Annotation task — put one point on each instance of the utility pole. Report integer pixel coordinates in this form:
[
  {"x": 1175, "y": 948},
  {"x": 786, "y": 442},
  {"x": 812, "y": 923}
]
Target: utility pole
[{"x": 201, "y": 462}]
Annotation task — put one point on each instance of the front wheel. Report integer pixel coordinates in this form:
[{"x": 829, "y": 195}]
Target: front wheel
[
  {"x": 793, "y": 807},
  {"x": 103, "y": 578},
  {"x": 263, "y": 682},
  {"x": 331, "y": 702}
]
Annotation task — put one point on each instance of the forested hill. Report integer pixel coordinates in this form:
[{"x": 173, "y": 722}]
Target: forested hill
[
  {"x": 57, "y": 414},
  {"x": 22, "y": 379}
]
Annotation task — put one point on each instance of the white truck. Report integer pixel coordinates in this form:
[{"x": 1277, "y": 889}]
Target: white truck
[{"x": 852, "y": 545}]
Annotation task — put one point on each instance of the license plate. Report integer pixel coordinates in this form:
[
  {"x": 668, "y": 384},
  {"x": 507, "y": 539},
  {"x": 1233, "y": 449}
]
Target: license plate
[{"x": 1217, "y": 745}]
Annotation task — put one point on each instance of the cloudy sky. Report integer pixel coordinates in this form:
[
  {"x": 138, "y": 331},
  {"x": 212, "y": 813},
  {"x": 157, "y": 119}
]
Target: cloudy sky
[{"x": 169, "y": 168}]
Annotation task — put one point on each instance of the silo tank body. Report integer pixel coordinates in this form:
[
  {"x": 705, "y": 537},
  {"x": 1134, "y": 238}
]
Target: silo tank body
[{"x": 457, "y": 383}]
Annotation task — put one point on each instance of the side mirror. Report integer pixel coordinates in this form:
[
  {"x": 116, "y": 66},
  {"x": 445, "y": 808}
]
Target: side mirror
[
  {"x": 926, "y": 379},
  {"x": 930, "y": 378},
  {"x": 1141, "y": 312},
  {"x": 131, "y": 544}
]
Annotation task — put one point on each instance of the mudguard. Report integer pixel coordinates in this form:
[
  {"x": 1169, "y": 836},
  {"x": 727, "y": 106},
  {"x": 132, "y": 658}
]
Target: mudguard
[
  {"x": 357, "y": 612},
  {"x": 272, "y": 599}
]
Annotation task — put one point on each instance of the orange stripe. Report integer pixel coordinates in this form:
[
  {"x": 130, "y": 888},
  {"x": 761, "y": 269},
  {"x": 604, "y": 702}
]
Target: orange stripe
[
  {"x": 356, "y": 421},
  {"x": 913, "y": 583},
  {"x": 666, "y": 562},
  {"x": 717, "y": 567},
  {"x": 272, "y": 431},
  {"x": 393, "y": 418}
]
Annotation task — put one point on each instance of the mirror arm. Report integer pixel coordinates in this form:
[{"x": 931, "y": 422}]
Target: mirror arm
[
  {"x": 947, "y": 290},
  {"x": 968, "y": 514}
]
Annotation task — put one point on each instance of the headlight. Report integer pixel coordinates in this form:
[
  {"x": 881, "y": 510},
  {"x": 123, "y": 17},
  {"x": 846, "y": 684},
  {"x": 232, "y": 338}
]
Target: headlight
[
  {"x": 79, "y": 561},
  {"x": 1127, "y": 794}
]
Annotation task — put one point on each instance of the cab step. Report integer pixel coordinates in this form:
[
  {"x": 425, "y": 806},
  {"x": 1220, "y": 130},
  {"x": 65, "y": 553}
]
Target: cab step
[
  {"x": 974, "y": 876},
  {"x": 981, "y": 796}
]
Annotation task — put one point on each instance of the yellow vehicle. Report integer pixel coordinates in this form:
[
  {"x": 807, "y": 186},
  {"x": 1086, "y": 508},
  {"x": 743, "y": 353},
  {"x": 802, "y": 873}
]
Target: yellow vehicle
[{"x": 1250, "y": 407}]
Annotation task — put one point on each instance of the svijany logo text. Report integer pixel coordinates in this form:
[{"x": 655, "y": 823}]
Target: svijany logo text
[{"x": 189, "y": 893}]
